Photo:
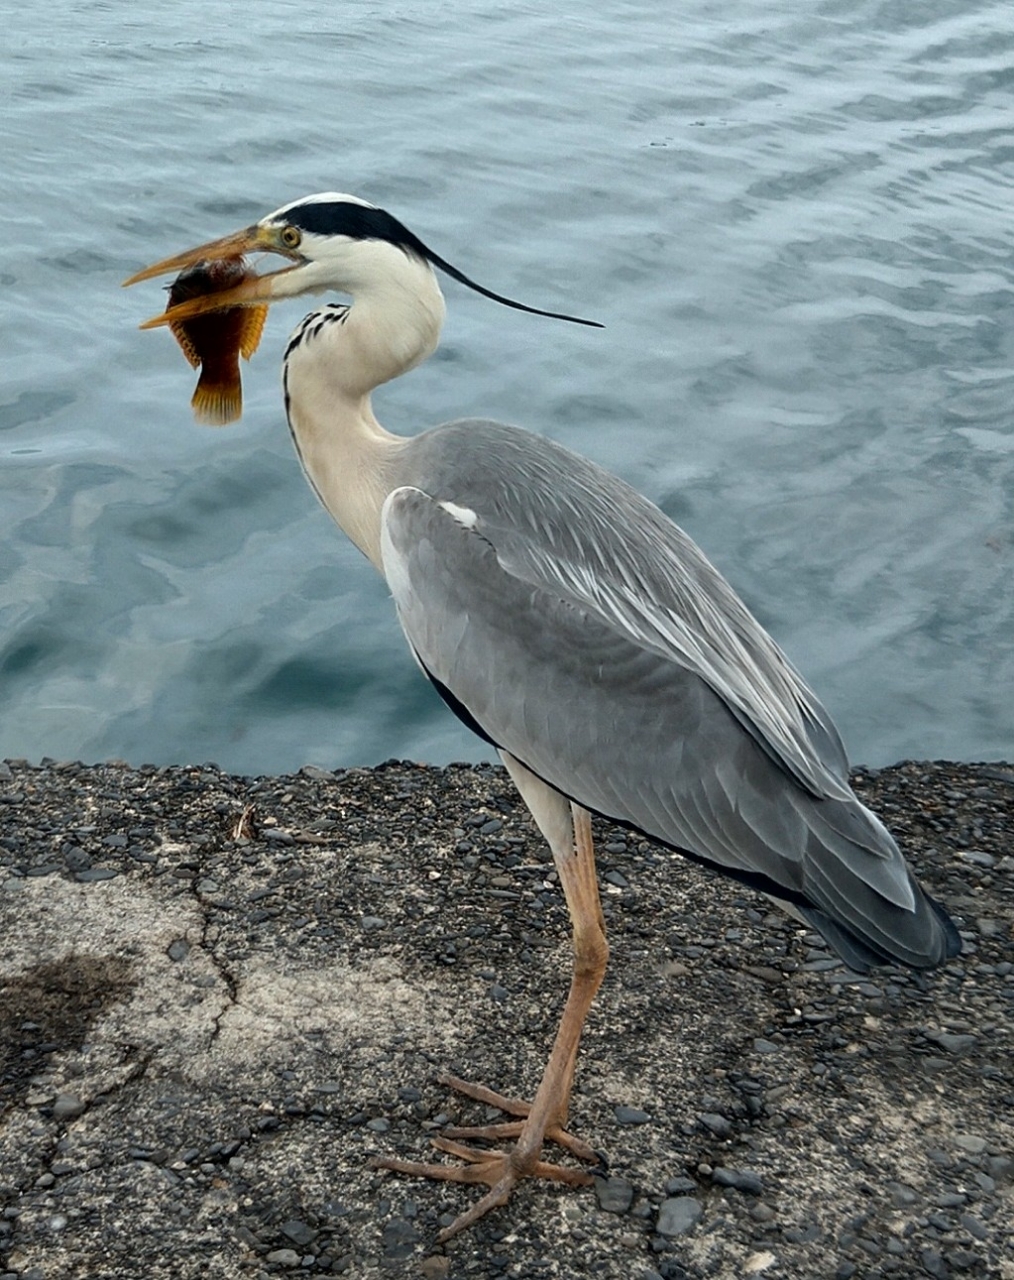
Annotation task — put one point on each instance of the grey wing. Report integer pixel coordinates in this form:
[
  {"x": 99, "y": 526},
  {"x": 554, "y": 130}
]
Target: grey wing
[
  {"x": 561, "y": 523},
  {"x": 631, "y": 734}
]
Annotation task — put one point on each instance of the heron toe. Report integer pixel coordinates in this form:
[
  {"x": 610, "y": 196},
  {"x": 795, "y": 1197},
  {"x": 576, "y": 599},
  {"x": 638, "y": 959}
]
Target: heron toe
[
  {"x": 501, "y": 1171},
  {"x": 555, "y": 1132}
]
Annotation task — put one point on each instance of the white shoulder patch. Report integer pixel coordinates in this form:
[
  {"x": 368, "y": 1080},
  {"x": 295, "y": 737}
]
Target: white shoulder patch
[{"x": 464, "y": 515}]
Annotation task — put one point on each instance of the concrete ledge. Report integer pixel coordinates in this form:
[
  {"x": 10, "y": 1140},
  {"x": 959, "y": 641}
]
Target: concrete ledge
[{"x": 219, "y": 996}]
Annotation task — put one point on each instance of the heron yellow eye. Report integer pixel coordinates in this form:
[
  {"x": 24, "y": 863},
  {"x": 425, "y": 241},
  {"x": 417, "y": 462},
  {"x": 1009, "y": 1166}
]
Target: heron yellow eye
[{"x": 291, "y": 237}]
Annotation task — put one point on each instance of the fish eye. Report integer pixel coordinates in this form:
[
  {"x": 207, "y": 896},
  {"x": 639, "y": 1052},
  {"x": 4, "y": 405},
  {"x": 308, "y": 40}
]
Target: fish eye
[{"x": 291, "y": 237}]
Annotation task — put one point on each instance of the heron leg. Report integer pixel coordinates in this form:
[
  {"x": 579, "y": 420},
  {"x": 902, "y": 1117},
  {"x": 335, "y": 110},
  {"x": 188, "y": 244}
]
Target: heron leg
[{"x": 567, "y": 828}]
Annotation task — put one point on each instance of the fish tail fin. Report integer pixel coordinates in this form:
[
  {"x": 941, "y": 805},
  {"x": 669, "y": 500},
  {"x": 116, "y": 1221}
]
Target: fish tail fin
[{"x": 217, "y": 401}]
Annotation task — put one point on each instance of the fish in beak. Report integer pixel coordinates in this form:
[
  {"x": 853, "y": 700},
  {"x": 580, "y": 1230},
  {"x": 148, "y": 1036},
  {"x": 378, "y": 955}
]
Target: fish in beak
[
  {"x": 217, "y": 307},
  {"x": 214, "y": 342},
  {"x": 251, "y": 290}
]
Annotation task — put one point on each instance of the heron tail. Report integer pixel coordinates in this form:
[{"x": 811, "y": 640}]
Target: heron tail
[{"x": 935, "y": 937}]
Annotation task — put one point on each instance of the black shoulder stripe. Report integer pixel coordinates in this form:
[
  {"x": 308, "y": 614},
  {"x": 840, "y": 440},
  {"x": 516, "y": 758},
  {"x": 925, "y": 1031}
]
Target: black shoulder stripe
[{"x": 459, "y": 708}]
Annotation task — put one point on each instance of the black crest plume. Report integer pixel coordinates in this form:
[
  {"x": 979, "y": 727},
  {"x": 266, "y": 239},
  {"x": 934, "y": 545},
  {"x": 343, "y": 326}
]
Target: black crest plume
[{"x": 364, "y": 222}]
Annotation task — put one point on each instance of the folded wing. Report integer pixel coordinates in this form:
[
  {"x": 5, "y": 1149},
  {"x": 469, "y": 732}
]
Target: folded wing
[{"x": 660, "y": 705}]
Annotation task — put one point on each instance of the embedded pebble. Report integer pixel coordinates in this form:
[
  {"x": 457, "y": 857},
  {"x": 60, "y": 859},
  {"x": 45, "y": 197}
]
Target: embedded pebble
[
  {"x": 956, "y": 1044},
  {"x": 284, "y": 1257},
  {"x": 299, "y": 1233},
  {"x": 68, "y": 1107},
  {"x": 95, "y": 874},
  {"x": 615, "y": 1195},
  {"x": 679, "y": 1215},
  {"x": 631, "y": 1115},
  {"x": 399, "y": 1239},
  {"x": 718, "y": 1124},
  {"x": 974, "y": 1226},
  {"x": 741, "y": 1179},
  {"x": 902, "y": 1195},
  {"x": 971, "y": 1143},
  {"x": 758, "y": 1262},
  {"x": 76, "y": 858}
]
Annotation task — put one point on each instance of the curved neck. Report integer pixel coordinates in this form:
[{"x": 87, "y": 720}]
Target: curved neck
[
  {"x": 349, "y": 460},
  {"x": 393, "y": 324},
  {"x": 335, "y": 359}
]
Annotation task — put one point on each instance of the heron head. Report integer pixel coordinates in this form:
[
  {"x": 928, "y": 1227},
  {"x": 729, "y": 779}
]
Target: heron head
[
  {"x": 332, "y": 241},
  {"x": 322, "y": 236}
]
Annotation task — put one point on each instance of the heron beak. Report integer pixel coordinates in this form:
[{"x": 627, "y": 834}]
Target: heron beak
[{"x": 249, "y": 292}]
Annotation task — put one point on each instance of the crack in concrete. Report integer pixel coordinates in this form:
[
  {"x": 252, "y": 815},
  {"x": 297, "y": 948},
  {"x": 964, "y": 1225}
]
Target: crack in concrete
[{"x": 226, "y": 975}]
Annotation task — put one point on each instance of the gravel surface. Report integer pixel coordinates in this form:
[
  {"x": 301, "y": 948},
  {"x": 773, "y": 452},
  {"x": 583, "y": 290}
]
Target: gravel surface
[{"x": 220, "y": 995}]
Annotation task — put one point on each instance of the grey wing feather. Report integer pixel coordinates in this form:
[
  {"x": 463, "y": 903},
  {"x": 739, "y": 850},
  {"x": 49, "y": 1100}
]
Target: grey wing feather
[{"x": 619, "y": 726}]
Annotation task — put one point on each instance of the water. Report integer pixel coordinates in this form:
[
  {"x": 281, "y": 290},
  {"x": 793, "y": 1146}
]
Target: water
[{"x": 794, "y": 220}]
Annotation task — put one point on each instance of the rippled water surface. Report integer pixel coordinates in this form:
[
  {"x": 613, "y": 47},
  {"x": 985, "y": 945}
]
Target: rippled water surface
[{"x": 795, "y": 222}]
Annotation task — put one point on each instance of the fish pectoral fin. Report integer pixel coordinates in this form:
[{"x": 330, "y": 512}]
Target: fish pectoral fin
[
  {"x": 217, "y": 402},
  {"x": 179, "y": 332},
  {"x": 253, "y": 327}
]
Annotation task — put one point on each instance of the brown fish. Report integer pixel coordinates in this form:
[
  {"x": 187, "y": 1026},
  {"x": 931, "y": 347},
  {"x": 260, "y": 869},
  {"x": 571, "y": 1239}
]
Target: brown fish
[{"x": 214, "y": 342}]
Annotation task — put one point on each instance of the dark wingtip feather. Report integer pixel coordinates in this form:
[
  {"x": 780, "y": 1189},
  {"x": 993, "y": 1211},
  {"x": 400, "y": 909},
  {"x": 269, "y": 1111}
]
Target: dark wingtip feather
[
  {"x": 952, "y": 939},
  {"x": 859, "y": 957},
  {"x": 938, "y": 939}
]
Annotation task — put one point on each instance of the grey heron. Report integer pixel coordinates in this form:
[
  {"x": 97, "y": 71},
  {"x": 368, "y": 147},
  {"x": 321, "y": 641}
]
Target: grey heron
[{"x": 575, "y": 627}]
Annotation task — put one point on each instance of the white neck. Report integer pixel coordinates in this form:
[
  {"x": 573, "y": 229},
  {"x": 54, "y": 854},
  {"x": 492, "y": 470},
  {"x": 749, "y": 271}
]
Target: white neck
[{"x": 349, "y": 458}]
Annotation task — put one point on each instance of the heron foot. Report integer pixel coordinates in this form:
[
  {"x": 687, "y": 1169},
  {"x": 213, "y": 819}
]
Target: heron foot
[
  {"x": 497, "y": 1169},
  {"x": 500, "y": 1170}
]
